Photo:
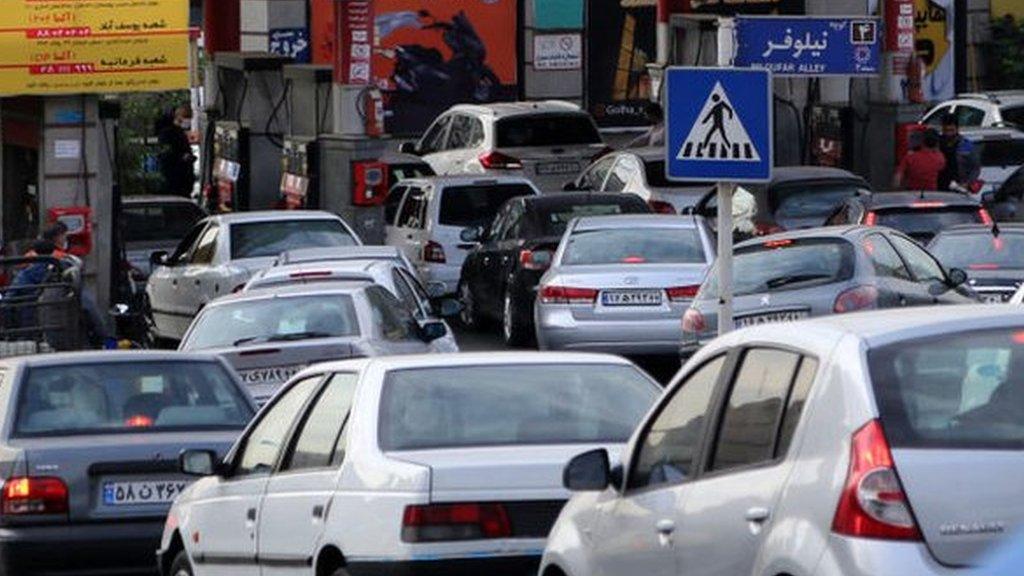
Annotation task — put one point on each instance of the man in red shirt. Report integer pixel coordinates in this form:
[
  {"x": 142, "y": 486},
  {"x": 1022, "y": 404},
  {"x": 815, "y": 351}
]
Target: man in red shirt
[{"x": 920, "y": 168}]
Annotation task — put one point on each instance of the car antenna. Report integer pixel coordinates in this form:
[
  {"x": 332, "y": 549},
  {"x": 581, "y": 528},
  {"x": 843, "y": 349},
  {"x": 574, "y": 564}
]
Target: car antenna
[
  {"x": 995, "y": 229},
  {"x": 921, "y": 194}
]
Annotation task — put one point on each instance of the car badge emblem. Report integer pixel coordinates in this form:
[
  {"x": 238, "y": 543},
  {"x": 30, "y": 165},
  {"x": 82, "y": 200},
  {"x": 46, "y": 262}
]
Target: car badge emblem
[
  {"x": 766, "y": 300},
  {"x": 631, "y": 280}
]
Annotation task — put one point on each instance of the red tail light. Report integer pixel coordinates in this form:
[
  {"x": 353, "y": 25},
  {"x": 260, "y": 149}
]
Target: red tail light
[
  {"x": 986, "y": 218},
  {"x": 682, "y": 293},
  {"x": 693, "y": 322},
  {"x": 138, "y": 421},
  {"x": 535, "y": 259},
  {"x": 859, "y": 298},
  {"x": 871, "y": 218},
  {"x": 447, "y": 522},
  {"x": 927, "y": 204},
  {"x": 25, "y": 495},
  {"x": 566, "y": 295},
  {"x": 499, "y": 161},
  {"x": 434, "y": 252},
  {"x": 778, "y": 243},
  {"x": 873, "y": 503},
  {"x": 660, "y": 207}
]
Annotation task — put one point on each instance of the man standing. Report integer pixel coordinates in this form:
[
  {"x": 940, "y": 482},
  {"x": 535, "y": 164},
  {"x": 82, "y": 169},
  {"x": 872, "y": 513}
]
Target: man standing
[
  {"x": 962, "y": 164},
  {"x": 177, "y": 163},
  {"x": 920, "y": 169}
]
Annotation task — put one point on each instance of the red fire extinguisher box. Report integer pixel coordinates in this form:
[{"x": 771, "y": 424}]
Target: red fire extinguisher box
[
  {"x": 369, "y": 183},
  {"x": 78, "y": 219}
]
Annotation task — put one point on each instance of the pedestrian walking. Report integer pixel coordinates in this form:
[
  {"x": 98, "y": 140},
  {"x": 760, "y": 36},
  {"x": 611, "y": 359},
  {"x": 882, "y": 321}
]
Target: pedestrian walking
[
  {"x": 920, "y": 168},
  {"x": 962, "y": 163}
]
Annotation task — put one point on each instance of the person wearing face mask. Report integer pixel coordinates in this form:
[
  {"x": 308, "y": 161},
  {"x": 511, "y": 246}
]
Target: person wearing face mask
[{"x": 177, "y": 163}]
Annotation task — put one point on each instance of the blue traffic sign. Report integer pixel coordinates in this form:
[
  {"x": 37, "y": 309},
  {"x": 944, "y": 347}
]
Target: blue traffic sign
[
  {"x": 810, "y": 46},
  {"x": 718, "y": 124}
]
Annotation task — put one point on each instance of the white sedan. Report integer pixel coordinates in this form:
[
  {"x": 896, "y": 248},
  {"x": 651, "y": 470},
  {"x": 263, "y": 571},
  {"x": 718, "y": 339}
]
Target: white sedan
[
  {"x": 443, "y": 464},
  {"x": 221, "y": 253}
]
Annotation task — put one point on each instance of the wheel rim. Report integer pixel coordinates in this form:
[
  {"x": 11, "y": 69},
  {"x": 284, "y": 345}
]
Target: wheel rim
[
  {"x": 506, "y": 318},
  {"x": 467, "y": 306}
]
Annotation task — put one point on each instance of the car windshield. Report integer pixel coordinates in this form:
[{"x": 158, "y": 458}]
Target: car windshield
[
  {"x": 159, "y": 222},
  {"x": 546, "y": 130},
  {"x": 960, "y": 390},
  {"x": 454, "y": 407},
  {"x": 979, "y": 251},
  {"x": 555, "y": 219},
  {"x": 785, "y": 265},
  {"x": 641, "y": 245},
  {"x": 466, "y": 206},
  {"x": 927, "y": 221},
  {"x": 259, "y": 239},
  {"x": 138, "y": 396},
  {"x": 1002, "y": 153},
  {"x": 276, "y": 319},
  {"x": 811, "y": 201},
  {"x": 655, "y": 173}
]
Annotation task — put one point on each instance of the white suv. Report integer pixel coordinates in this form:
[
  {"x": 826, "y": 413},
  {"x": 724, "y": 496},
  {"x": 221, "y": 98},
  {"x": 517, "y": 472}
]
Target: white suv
[
  {"x": 1002, "y": 109},
  {"x": 548, "y": 142}
]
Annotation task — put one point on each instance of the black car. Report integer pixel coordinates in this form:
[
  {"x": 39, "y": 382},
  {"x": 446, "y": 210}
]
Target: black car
[
  {"x": 992, "y": 256},
  {"x": 1005, "y": 203},
  {"x": 920, "y": 215},
  {"x": 500, "y": 275}
]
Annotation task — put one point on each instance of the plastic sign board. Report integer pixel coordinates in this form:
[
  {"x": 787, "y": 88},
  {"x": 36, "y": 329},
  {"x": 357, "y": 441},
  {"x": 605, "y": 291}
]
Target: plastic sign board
[
  {"x": 85, "y": 46},
  {"x": 810, "y": 46},
  {"x": 719, "y": 124}
]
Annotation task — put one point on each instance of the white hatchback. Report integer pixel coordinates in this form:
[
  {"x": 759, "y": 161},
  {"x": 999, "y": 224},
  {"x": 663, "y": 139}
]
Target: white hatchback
[{"x": 411, "y": 465}]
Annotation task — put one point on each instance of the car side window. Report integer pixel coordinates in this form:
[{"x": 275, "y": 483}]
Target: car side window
[
  {"x": 935, "y": 118},
  {"x": 264, "y": 444},
  {"x": 840, "y": 216},
  {"x": 497, "y": 228},
  {"x": 969, "y": 115},
  {"x": 924, "y": 268},
  {"x": 667, "y": 450},
  {"x": 795, "y": 406},
  {"x": 317, "y": 440},
  {"x": 595, "y": 177},
  {"x": 413, "y": 209},
  {"x": 886, "y": 261},
  {"x": 206, "y": 248},
  {"x": 435, "y": 137},
  {"x": 405, "y": 293},
  {"x": 753, "y": 411},
  {"x": 621, "y": 175},
  {"x": 185, "y": 246},
  {"x": 389, "y": 315},
  {"x": 392, "y": 203},
  {"x": 466, "y": 132},
  {"x": 514, "y": 223},
  {"x": 417, "y": 288}
]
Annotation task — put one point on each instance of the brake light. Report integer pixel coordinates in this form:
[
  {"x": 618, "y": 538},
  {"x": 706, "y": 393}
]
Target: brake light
[
  {"x": 660, "y": 207},
  {"x": 693, "y": 322},
  {"x": 499, "y": 161},
  {"x": 928, "y": 204},
  {"x": 434, "y": 252},
  {"x": 535, "y": 259},
  {"x": 873, "y": 503},
  {"x": 634, "y": 260},
  {"x": 138, "y": 421},
  {"x": 447, "y": 522},
  {"x": 778, "y": 243},
  {"x": 859, "y": 298},
  {"x": 871, "y": 218},
  {"x": 310, "y": 274},
  {"x": 983, "y": 267},
  {"x": 682, "y": 293},
  {"x": 25, "y": 495},
  {"x": 986, "y": 218},
  {"x": 566, "y": 295}
]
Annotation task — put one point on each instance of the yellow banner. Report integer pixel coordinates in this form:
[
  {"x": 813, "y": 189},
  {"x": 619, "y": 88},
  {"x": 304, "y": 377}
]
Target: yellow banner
[{"x": 74, "y": 46}]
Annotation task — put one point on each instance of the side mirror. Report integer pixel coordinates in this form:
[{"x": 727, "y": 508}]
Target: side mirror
[
  {"x": 447, "y": 307},
  {"x": 957, "y": 277},
  {"x": 158, "y": 258},
  {"x": 408, "y": 148},
  {"x": 588, "y": 472},
  {"x": 432, "y": 330},
  {"x": 198, "y": 462},
  {"x": 471, "y": 234}
]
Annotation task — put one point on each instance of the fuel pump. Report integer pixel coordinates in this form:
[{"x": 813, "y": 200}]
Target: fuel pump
[
  {"x": 299, "y": 174},
  {"x": 230, "y": 189}
]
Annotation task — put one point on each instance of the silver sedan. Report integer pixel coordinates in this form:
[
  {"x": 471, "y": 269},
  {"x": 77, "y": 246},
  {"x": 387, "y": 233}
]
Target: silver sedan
[{"x": 621, "y": 284}]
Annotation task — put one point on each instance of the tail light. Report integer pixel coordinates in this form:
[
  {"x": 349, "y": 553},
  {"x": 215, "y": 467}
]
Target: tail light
[
  {"x": 693, "y": 322},
  {"x": 434, "y": 252},
  {"x": 682, "y": 293},
  {"x": 535, "y": 259},
  {"x": 138, "y": 421},
  {"x": 986, "y": 218},
  {"x": 310, "y": 274},
  {"x": 859, "y": 298},
  {"x": 871, "y": 219},
  {"x": 566, "y": 295},
  {"x": 499, "y": 161},
  {"x": 35, "y": 495},
  {"x": 447, "y": 522},
  {"x": 873, "y": 503},
  {"x": 660, "y": 207}
]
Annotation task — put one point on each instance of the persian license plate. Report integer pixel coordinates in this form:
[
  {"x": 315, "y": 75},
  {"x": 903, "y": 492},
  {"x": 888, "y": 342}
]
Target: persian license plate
[
  {"x": 270, "y": 374},
  {"x": 548, "y": 168},
  {"x": 137, "y": 493},
  {"x": 632, "y": 298},
  {"x": 756, "y": 319}
]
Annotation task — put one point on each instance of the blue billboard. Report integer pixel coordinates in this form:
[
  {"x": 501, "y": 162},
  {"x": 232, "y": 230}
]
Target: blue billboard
[{"x": 809, "y": 46}]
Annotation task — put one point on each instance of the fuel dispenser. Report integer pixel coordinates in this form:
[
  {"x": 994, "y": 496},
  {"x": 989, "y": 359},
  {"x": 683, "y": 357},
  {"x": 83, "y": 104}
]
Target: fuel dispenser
[
  {"x": 231, "y": 174},
  {"x": 300, "y": 171},
  {"x": 832, "y": 131}
]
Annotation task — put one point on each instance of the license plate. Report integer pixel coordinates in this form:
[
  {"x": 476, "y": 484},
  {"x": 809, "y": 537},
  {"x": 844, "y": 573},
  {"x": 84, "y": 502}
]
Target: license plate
[
  {"x": 548, "y": 168},
  {"x": 771, "y": 318},
  {"x": 632, "y": 298},
  {"x": 992, "y": 298},
  {"x": 137, "y": 493},
  {"x": 270, "y": 374}
]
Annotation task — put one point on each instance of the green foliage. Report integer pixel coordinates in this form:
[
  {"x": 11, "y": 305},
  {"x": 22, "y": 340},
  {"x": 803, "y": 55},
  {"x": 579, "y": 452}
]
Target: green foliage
[
  {"x": 139, "y": 112},
  {"x": 1007, "y": 53}
]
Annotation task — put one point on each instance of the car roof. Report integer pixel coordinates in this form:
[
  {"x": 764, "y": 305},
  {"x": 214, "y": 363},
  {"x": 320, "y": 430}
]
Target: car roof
[
  {"x": 844, "y": 231},
  {"x": 634, "y": 221},
  {"x": 982, "y": 134},
  {"x": 505, "y": 109},
  {"x": 337, "y": 253},
  {"x": 787, "y": 174},
  {"x": 897, "y": 199},
  {"x": 573, "y": 198},
  {"x": 105, "y": 357},
  {"x": 157, "y": 199},
  {"x": 998, "y": 97},
  {"x": 272, "y": 216},
  {"x": 412, "y": 361},
  {"x": 290, "y": 290},
  {"x": 463, "y": 180}
]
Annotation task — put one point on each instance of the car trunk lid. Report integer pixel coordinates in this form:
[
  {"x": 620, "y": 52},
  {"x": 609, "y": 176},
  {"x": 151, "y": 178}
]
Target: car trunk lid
[
  {"x": 637, "y": 291},
  {"x": 264, "y": 367}
]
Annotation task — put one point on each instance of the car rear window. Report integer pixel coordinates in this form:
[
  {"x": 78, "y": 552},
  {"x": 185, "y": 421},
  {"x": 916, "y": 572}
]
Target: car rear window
[
  {"x": 786, "y": 264},
  {"x": 647, "y": 245},
  {"x": 274, "y": 320},
  {"x": 466, "y": 406},
  {"x": 140, "y": 396},
  {"x": 1002, "y": 153},
  {"x": 466, "y": 206},
  {"x": 1013, "y": 115},
  {"x": 927, "y": 220},
  {"x": 655, "y": 173},
  {"x": 259, "y": 239},
  {"x": 555, "y": 219},
  {"x": 159, "y": 222},
  {"x": 546, "y": 130},
  {"x": 980, "y": 251},
  {"x": 960, "y": 390},
  {"x": 810, "y": 201}
]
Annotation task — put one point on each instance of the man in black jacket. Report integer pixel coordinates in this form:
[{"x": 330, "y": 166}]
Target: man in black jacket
[{"x": 177, "y": 163}]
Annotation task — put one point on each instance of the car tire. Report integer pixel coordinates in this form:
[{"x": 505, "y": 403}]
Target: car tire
[
  {"x": 514, "y": 331},
  {"x": 469, "y": 317},
  {"x": 181, "y": 566}
]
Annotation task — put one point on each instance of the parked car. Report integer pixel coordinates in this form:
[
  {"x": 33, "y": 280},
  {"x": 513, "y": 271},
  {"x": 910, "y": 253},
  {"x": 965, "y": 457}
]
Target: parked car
[
  {"x": 407, "y": 465},
  {"x": 548, "y": 142},
  {"x": 89, "y": 448},
  {"x": 221, "y": 252},
  {"x": 993, "y": 257},
  {"x": 1005, "y": 203},
  {"x": 642, "y": 172},
  {"x": 430, "y": 213},
  {"x": 152, "y": 223},
  {"x": 884, "y": 442},
  {"x": 797, "y": 197},
  {"x": 340, "y": 254},
  {"x": 620, "y": 284},
  {"x": 1001, "y": 153},
  {"x": 387, "y": 273},
  {"x": 999, "y": 109},
  {"x": 500, "y": 275},
  {"x": 797, "y": 275},
  {"x": 920, "y": 215},
  {"x": 270, "y": 335}
]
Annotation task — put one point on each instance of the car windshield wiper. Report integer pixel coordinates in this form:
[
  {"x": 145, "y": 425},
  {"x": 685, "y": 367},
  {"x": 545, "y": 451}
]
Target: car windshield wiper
[
  {"x": 282, "y": 337},
  {"x": 794, "y": 279}
]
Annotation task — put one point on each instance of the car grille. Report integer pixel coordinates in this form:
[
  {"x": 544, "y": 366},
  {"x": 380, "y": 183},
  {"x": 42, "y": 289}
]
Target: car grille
[{"x": 533, "y": 519}]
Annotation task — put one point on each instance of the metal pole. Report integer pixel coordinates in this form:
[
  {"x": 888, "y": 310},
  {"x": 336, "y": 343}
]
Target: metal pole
[{"x": 726, "y": 190}]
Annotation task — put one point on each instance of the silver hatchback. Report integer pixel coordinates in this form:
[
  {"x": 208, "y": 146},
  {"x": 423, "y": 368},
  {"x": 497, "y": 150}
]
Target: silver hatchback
[{"x": 620, "y": 284}]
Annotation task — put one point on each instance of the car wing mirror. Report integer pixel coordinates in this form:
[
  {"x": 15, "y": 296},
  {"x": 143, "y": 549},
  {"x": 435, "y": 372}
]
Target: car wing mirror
[
  {"x": 408, "y": 148},
  {"x": 957, "y": 277},
  {"x": 447, "y": 307},
  {"x": 472, "y": 234},
  {"x": 588, "y": 472},
  {"x": 199, "y": 463},
  {"x": 158, "y": 258},
  {"x": 432, "y": 330}
]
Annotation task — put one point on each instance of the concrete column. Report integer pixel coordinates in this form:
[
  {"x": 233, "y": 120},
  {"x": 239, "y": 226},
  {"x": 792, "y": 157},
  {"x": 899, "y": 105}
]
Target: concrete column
[{"x": 259, "y": 17}]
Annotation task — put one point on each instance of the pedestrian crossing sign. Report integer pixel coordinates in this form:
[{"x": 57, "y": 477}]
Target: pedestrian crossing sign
[{"x": 719, "y": 124}]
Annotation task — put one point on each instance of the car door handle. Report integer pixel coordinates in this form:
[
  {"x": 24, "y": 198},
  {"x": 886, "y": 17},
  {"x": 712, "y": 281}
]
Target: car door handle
[
  {"x": 174, "y": 282},
  {"x": 197, "y": 282},
  {"x": 757, "y": 514},
  {"x": 250, "y": 514},
  {"x": 665, "y": 527},
  {"x": 318, "y": 512}
]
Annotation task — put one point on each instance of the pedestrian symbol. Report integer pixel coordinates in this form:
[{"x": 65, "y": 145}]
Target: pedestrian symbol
[{"x": 719, "y": 134}]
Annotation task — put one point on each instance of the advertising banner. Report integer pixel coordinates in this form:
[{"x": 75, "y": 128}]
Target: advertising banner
[
  {"x": 933, "y": 23},
  {"x": 76, "y": 46},
  {"x": 620, "y": 44},
  {"x": 809, "y": 46}
]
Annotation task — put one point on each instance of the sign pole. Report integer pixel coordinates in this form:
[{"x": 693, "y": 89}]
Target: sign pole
[{"x": 726, "y": 190}]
